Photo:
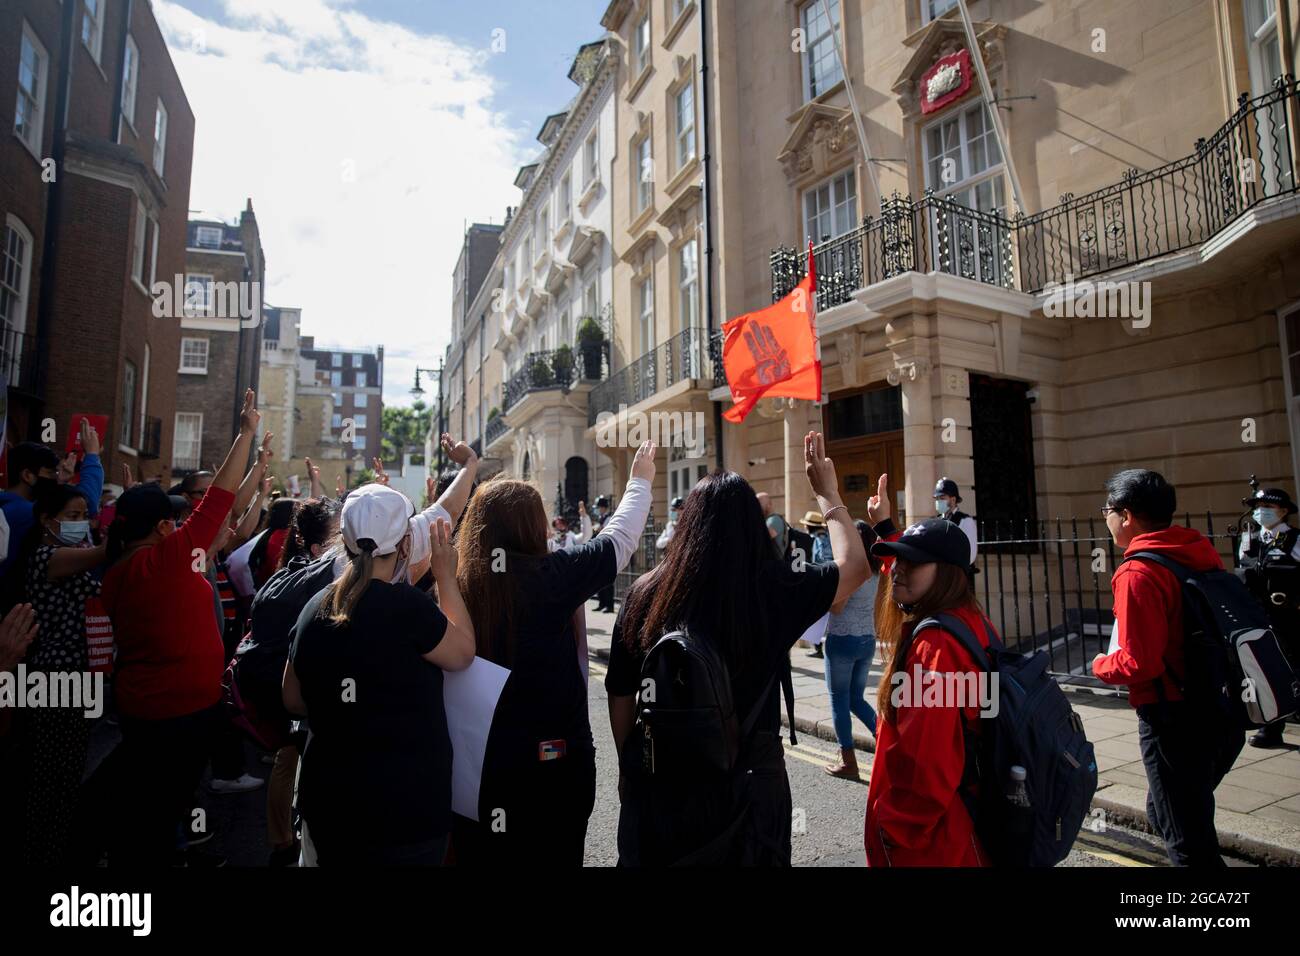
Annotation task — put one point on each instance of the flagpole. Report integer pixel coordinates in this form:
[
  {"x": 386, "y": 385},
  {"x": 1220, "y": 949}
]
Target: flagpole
[
  {"x": 994, "y": 116},
  {"x": 853, "y": 103}
]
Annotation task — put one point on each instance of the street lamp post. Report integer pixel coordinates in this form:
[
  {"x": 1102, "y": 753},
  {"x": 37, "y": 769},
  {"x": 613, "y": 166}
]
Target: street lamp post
[{"x": 418, "y": 392}]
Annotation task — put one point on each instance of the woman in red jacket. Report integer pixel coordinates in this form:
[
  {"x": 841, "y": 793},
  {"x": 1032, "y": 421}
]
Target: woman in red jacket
[{"x": 915, "y": 812}]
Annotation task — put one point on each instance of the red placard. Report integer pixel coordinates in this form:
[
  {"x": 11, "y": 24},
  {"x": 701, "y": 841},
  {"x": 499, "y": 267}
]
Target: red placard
[
  {"x": 97, "y": 422},
  {"x": 955, "y": 87}
]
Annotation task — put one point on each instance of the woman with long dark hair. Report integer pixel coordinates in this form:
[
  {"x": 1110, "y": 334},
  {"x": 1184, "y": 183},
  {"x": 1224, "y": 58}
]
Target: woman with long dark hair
[
  {"x": 539, "y": 774},
  {"x": 916, "y": 814},
  {"x": 722, "y": 581}
]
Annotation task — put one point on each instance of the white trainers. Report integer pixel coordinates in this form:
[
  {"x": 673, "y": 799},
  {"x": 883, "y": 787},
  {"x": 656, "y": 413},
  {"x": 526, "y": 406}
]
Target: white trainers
[{"x": 242, "y": 785}]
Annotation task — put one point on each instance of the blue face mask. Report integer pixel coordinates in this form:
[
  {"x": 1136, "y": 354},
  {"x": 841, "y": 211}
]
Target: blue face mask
[
  {"x": 672, "y": 515},
  {"x": 941, "y": 505},
  {"x": 73, "y": 533},
  {"x": 1266, "y": 517}
]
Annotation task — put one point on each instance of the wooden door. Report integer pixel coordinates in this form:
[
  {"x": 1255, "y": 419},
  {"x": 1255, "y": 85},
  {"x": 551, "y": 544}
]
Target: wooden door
[{"x": 858, "y": 464}]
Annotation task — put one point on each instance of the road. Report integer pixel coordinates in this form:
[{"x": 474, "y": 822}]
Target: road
[{"x": 831, "y": 811}]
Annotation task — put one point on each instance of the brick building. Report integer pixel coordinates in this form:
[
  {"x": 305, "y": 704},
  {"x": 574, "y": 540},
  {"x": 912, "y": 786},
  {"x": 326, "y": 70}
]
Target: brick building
[
  {"x": 94, "y": 190},
  {"x": 221, "y": 337},
  {"x": 353, "y": 380}
]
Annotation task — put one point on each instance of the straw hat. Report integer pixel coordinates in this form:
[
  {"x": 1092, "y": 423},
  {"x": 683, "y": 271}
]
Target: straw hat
[{"x": 813, "y": 519}]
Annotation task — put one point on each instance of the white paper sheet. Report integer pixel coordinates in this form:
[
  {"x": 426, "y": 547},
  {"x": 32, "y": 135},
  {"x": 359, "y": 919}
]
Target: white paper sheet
[
  {"x": 470, "y": 699},
  {"x": 817, "y": 633},
  {"x": 1114, "y": 638}
]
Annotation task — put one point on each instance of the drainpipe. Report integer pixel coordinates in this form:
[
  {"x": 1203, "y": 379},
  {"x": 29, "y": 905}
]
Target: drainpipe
[
  {"x": 53, "y": 211},
  {"x": 707, "y": 158}
]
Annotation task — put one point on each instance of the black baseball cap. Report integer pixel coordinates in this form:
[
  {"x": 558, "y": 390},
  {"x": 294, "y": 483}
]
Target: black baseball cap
[{"x": 927, "y": 542}]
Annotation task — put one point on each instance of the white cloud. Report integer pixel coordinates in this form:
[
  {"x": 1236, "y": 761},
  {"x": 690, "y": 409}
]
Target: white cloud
[{"x": 292, "y": 98}]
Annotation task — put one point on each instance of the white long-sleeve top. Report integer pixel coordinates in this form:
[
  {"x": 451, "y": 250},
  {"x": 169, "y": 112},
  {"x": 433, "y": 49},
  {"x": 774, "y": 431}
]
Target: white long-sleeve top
[{"x": 627, "y": 523}]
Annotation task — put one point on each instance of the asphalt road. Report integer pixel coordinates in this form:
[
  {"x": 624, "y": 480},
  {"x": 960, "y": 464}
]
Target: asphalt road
[{"x": 831, "y": 811}]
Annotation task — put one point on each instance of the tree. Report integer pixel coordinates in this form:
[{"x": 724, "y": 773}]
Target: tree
[{"x": 404, "y": 429}]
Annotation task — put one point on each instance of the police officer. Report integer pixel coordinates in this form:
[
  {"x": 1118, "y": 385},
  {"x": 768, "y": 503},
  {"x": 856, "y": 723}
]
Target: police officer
[
  {"x": 674, "y": 509},
  {"x": 605, "y": 596},
  {"x": 946, "y": 499},
  {"x": 1269, "y": 559}
]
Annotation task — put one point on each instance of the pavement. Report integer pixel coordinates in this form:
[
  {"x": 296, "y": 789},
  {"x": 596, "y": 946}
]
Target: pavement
[{"x": 1257, "y": 804}]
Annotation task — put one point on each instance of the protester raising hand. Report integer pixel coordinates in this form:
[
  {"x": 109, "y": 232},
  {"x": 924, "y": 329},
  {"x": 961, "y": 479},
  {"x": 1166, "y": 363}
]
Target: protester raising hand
[
  {"x": 846, "y": 543},
  {"x": 643, "y": 462},
  {"x": 878, "y": 504},
  {"x": 127, "y": 480},
  {"x": 381, "y": 476},
  {"x": 90, "y": 443}
]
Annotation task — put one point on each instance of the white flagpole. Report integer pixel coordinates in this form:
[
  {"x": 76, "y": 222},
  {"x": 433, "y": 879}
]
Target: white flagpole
[
  {"x": 853, "y": 105},
  {"x": 994, "y": 116}
]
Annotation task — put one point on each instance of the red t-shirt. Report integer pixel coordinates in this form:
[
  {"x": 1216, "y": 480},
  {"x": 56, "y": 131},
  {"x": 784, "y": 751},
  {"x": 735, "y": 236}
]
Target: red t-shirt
[{"x": 170, "y": 654}]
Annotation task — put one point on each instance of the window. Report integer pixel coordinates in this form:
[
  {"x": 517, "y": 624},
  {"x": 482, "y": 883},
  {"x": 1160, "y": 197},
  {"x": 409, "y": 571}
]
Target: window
[
  {"x": 15, "y": 279},
  {"x": 336, "y": 360},
  {"x": 194, "y": 356},
  {"x": 565, "y": 212},
  {"x": 933, "y": 9},
  {"x": 208, "y": 237},
  {"x": 358, "y": 360},
  {"x": 337, "y": 420},
  {"x": 821, "y": 62},
  {"x": 679, "y": 7},
  {"x": 591, "y": 298},
  {"x": 359, "y": 400},
  {"x": 831, "y": 209},
  {"x": 688, "y": 281},
  {"x": 92, "y": 27},
  {"x": 542, "y": 227},
  {"x": 336, "y": 379},
  {"x": 641, "y": 44},
  {"x": 591, "y": 159},
  {"x": 33, "y": 71},
  {"x": 685, "y": 116},
  {"x": 153, "y": 251},
  {"x": 564, "y": 312},
  {"x": 527, "y": 264},
  {"x": 643, "y": 176},
  {"x": 962, "y": 159},
  {"x": 159, "y": 138},
  {"x": 128, "y": 404},
  {"x": 337, "y": 399},
  {"x": 1265, "y": 62},
  {"x": 130, "y": 78},
  {"x": 646, "y": 297},
  {"x": 361, "y": 379},
  {"x": 198, "y": 294},
  {"x": 359, "y": 421},
  {"x": 187, "y": 446}
]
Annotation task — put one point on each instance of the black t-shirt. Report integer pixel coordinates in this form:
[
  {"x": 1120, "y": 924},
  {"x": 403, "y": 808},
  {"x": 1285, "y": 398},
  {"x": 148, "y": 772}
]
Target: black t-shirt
[
  {"x": 544, "y": 698},
  {"x": 792, "y": 601},
  {"x": 377, "y": 770}
]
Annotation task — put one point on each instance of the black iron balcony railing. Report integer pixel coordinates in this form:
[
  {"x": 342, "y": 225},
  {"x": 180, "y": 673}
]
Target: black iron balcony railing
[
  {"x": 690, "y": 354},
  {"x": 477, "y": 446},
  {"x": 1144, "y": 216},
  {"x": 18, "y": 362},
  {"x": 555, "y": 368},
  {"x": 496, "y": 427},
  {"x": 151, "y": 438}
]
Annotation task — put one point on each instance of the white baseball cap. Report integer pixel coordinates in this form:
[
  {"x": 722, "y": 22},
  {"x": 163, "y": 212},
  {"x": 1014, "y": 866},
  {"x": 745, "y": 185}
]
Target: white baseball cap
[{"x": 377, "y": 513}]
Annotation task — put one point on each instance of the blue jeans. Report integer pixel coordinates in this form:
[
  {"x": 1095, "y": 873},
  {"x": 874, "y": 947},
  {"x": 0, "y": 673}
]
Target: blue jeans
[{"x": 848, "y": 665}]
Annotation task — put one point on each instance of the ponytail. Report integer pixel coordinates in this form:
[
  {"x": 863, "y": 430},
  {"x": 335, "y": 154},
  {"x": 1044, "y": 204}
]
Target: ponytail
[{"x": 345, "y": 593}]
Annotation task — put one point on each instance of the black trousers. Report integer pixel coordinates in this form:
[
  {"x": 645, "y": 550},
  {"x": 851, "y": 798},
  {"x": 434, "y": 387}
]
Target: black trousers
[
  {"x": 1186, "y": 753},
  {"x": 605, "y": 598},
  {"x": 145, "y": 787}
]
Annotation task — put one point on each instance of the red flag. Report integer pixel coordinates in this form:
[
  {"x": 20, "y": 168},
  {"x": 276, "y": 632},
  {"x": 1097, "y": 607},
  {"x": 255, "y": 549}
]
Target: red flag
[{"x": 774, "y": 351}]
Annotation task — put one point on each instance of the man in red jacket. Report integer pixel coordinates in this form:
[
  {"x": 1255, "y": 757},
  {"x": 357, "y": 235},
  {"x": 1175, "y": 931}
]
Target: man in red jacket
[{"x": 1186, "y": 751}]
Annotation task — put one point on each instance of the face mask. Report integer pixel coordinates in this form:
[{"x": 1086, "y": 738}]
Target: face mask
[
  {"x": 672, "y": 516},
  {"x": 940, "y": 506},
  {"x": 1266, "y": 517},
  {"x": 74, "y": 532},
  {"x": 403, "y": 564}
]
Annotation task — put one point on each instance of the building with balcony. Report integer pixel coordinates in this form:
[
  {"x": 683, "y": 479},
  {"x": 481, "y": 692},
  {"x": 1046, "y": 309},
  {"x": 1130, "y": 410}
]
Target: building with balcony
[
  {"x": 222, "y": 324},
  {"x": 94, "y": 193},
  {"x": 664, "y": 358},
  {"x": 550, "y": 320}
]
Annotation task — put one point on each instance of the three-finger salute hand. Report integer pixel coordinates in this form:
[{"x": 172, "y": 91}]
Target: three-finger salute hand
[
  {"x": 878, "y": 504},
  {"x": 643, "y": 462},
  {"x": 819, "y": 469}
]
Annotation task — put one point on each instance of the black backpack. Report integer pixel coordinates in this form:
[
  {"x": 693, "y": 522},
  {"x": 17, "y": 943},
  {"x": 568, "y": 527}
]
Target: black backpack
[
  {"x": 691, "y": 779},
  {"x": 1233, "y": 664},
  {"x": 1035, "y": 728}
]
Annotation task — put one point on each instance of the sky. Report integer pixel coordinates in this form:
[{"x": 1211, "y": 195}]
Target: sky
[{"x": 367, "y": 134}]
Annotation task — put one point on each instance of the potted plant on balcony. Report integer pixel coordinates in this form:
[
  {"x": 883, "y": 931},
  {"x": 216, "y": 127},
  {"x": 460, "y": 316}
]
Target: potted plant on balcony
[
  {"x": 494, "y": 412},
  {"x": 591, "y": 344},
  {"x": 562, "y": 365},
  {"x": 539, "y": 373}
]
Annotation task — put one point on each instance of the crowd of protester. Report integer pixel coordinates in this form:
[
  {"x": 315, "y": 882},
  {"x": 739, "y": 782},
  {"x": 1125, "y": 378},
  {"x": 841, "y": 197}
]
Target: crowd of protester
[{"x": 321, "y": 630}]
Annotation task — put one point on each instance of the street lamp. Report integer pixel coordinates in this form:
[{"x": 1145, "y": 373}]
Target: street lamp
[{"x": 417, "y": 393}]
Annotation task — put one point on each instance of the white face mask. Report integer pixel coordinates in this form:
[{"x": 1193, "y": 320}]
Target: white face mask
[
  {"x": 73, "y": 533},
  {"x": 403, "y": 562}
]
